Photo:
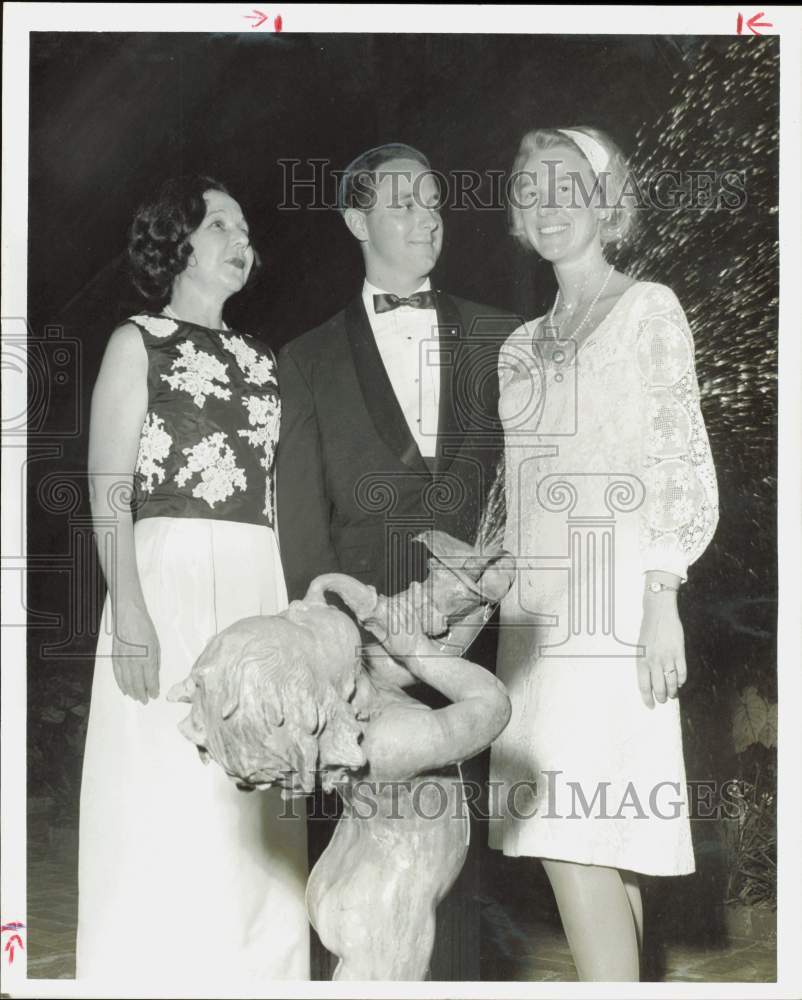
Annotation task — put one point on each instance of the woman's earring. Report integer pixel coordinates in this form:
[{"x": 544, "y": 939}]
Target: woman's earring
[{"x": 193, "y": 260}]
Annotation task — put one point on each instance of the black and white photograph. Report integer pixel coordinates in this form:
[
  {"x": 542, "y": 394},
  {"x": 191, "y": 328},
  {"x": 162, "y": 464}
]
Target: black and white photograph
[{"x": 401, "y": 501}]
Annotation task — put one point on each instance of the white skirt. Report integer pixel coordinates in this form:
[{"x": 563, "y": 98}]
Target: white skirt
[
  {"x": 584, "y": 771},
  {"x": 183, "y": 879}
]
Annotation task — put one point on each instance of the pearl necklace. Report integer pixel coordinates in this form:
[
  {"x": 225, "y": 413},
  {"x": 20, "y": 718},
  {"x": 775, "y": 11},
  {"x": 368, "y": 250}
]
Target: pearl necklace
[
  {"x": 596, "y": 298},
  {"x": 167, "y": 311}
]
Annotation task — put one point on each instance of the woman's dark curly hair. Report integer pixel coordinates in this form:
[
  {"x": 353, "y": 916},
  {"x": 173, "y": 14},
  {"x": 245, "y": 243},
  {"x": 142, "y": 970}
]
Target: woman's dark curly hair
[{"x": 158, "y": 243}]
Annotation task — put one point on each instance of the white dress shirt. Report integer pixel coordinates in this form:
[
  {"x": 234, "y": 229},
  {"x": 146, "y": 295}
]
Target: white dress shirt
[{"x": 407, "y": 340}]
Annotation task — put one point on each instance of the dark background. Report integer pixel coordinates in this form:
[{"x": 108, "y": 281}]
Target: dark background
[{"x": 112, "y": 115}]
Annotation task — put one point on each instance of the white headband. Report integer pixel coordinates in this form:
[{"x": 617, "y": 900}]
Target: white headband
[{"x": 596, "y": 155}]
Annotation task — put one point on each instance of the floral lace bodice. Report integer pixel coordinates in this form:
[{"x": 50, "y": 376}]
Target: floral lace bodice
[
  {"x": 626, "y": 405},
  {"x": 209, "y": 438}
]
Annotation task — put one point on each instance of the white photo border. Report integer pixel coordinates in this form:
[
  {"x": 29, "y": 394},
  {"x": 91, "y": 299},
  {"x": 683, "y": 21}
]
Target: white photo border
[{"x": 20, "y": 19}]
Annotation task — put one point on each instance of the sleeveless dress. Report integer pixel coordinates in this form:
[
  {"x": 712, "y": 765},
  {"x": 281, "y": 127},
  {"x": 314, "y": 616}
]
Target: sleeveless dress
[
  {"x": 184, "y": 880},
  {"x": 608, "y": 475}
]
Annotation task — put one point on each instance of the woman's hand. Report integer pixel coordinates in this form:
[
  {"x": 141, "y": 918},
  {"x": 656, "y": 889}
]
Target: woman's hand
[
  {"x": 135, "y": 654},
  {"x": 661, "y": 670}
]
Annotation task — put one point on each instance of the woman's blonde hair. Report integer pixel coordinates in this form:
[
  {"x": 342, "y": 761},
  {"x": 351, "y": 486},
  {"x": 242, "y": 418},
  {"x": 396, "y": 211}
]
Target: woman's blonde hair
[{"x": 617, "y": 186}]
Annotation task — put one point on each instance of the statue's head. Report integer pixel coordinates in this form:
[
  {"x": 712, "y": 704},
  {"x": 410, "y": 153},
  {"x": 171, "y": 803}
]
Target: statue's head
[{"x": 270, "y": 699}]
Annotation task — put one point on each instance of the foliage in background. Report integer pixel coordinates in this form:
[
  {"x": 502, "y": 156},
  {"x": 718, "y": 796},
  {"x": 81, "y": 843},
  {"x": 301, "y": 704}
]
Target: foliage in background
[
  {"x": 723, "y": 265},
  {"x": 57, "y": 720},
  {"x": 751, "y": 838}
]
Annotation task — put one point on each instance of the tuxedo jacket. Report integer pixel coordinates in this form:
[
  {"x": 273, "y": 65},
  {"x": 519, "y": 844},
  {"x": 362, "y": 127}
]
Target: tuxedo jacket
[{"x": 353, "y": 489}]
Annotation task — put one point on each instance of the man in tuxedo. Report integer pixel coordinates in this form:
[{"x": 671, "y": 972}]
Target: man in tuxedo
[{"x": 389, "y": 427}]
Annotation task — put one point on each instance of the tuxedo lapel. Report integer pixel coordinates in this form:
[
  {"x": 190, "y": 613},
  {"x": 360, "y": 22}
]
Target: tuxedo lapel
[{"x": 380, "y": 399}]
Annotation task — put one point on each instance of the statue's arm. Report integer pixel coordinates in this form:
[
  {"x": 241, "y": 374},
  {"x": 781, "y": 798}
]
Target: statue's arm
[
  {"x": 412, "y": 741},
  {"x": 404, "y": 741},
  {"x": 455, "y": 642},
  {"x": 386, "y": 668}
]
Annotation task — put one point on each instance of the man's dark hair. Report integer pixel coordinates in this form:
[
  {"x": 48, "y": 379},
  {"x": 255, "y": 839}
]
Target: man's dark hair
[{"x": 358, "y": 184}]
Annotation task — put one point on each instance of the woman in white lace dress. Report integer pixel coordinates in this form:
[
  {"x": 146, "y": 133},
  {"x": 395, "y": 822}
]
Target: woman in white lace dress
[
  {"x": 611, "y": 494},
  {"x": 187, "y": 885}
]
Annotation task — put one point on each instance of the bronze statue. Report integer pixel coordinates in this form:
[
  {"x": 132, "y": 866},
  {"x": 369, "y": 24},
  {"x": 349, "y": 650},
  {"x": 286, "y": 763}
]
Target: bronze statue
[{"x": 279, "y": 699}]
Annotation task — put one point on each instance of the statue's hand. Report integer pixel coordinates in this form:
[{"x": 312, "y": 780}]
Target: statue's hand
[{"x": 396, "y": 623}]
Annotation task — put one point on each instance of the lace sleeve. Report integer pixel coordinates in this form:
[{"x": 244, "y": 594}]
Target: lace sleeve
[{"x": 680, "y": 511}]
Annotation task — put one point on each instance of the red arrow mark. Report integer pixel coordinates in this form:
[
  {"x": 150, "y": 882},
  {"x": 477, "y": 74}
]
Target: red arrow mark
[
  {"x": 257, "y": 17},
  {"x": 753, "y": 23},
  {"x": 14, "y": 939}
]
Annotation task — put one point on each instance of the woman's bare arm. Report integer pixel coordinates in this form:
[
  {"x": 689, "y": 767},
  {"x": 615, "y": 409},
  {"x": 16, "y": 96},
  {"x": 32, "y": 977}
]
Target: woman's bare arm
[{"x": 119, "y": 407}]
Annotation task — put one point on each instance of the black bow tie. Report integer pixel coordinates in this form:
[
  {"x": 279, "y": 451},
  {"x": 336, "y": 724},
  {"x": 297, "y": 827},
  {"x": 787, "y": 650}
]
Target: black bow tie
[{"x": 419, "y": 300}]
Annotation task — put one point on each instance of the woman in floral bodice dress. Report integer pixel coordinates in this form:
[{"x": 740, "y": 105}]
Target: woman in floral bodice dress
[
  {"x": 184, "y": 881},
  {"x": 611, "y": 495}
]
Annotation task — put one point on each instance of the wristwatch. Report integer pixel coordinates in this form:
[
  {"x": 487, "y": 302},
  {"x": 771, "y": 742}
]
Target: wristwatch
[{"x": 654, "y": 587}]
